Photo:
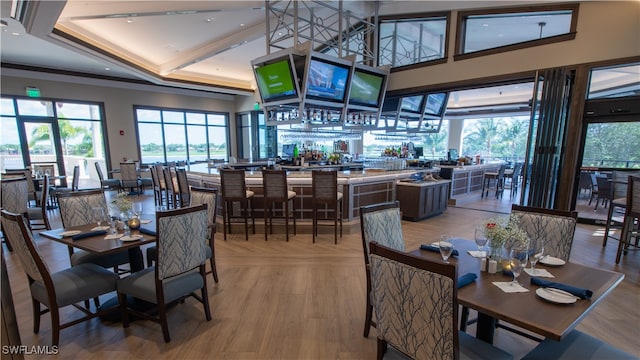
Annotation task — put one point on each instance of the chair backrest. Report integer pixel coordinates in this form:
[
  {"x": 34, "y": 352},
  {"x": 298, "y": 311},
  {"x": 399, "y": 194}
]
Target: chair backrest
[
  {"x": 233, "y": 185},
  {"x": 633, "y": 196},
  {"x": 15, "y": 194},
  {"x": 605, "y": 190},
  {"x": 619, "y": 182},
  {"x": 167, "y": 173},
  {"x": 415, "y": 303},
  {"x": 181, "y": 240},
  {"x": 128, "y": 174},
  {"x": 274, "y": 184},
  {"x": 183, "y": 186},
  {"x": 209, "y": 196},
  {"x": 99, "y": 171},
  {"x": 501, "y": 171},
  {"x": 585, "y": 180},
  {"x": 75, "y": 180},
  {"x": 160, "y": 174},
  {"x": 46, "y": 169},
  {"x": 324, "y": 186},
  {"x": 381, "y": 223},
  {"x": 76, "y": 207},
  {"x": 517, "y": 169},
  {"x": 17, "y": 230},
  {"x": 556, "y": 228}
]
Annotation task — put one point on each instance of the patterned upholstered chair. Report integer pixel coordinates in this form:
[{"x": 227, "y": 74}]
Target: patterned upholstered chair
[
  {"x": 129, "y": 177},
  {"x": 555, "y": 227},
  {"x": 380, "y": 223},
  {"x": 200, "y": 195},
  {"x": 416, "y": 308},
  {"x": 38, "y": 219},
  {"x": 60, "y": 289},
  {"x": 15, "y": 197},
  {"x": 75, "y": 210},
  {"x": 184, "y": 193},
  {"x": 181, "y": 242}
]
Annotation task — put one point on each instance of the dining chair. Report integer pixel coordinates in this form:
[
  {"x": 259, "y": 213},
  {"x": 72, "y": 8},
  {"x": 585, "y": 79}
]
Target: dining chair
[
  {"x": 75, "y": 185},
  {"x": 631, "y": 225},
  {"x": 497, "y": 177},
  {"x": 15, "y": 197},
  {"x": 181, "y": 242},
  {"x": 556, "y": 228},
  {"x": 234, "y": 190},
  {"x": 183, "y": 187},
  {"x": 162, "y": 187},
  {"x": 514, "y": 177},
  {"x": 76, "y": 210},
  {"x": 324, "y": 192},
  {"x": 60, "y": 289},
  {"x": 381, "y": 223},
  {"x": 276, "y": 191},
  {"x": 38, "y": 217},
  {"x": 605, "y": 191},
  {"x": 171, "y": 192},
  {"x": 129, "y": 177},
  {"x": 106, "y": 184},
  {"x": 618, "y": 202},
  {"x": 415, "y": 302}
]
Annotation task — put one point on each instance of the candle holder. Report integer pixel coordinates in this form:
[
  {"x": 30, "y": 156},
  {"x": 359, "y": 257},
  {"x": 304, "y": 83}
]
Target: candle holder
[{"x": 134, "y": 223}]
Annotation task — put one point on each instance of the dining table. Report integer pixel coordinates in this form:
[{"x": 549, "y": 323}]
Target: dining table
[{"x": 526, "y": 310}]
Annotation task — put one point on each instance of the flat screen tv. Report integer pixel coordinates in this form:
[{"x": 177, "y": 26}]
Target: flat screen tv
[
  {"x": 435, "y": 104},
  {"x": 366, "y": 88},
  {"x": 419, "y": 151},
  {"x": 412, "y": 104},
  {"x": 327, "y": 80},
  {"x": 287, "y": 150},
  {"x": 275, "y": 81}
]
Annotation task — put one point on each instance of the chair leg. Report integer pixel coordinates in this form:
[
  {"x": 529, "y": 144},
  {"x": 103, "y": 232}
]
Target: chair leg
[
  {"x": 267, "y": 210},
  {"x": 162, "y": 313},
  {"x": 205, "y": 297},
  {"x": 36, "y": 316},
  {"x": 625, "y": 237},
  {"x": 286, "y": 219},
  {"x": 464, "y": 318},
  {"x": 335, "y": 223},
  {"x": 382, "y": 348},
  {"x": 608, "y": 226},
  {"x": 293, "y": 215},
  {"x": 246, "y": 223},
  {"x": 225, "y": 211},
  {"x": 122, "y": 300},
  {"x": 214, "y": 271},
  {"x": 369, "y": 309},
  {"x": 55, "y": 326}
]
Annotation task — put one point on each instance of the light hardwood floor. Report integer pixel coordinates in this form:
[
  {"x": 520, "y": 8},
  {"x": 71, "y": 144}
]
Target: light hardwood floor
[{"x": 298, "y": 300}]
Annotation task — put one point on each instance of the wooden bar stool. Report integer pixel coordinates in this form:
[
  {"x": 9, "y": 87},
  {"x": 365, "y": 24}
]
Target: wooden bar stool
[
  {"x": 234, "y": 190},
  {"x": 276, "y": 190},
  {"x": 324, "y": 188},
  {"x": 499, "y": 181}
]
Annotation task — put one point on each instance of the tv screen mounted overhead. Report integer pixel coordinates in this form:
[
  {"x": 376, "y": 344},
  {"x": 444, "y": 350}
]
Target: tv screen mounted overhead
[
  {"x": 276, "y": 81},
  {"x": 327, "y": 80},
  {"x": 366, "y": 89},
  {"x": 412, "y": 104},
  {"x": 436, "y": 104}
]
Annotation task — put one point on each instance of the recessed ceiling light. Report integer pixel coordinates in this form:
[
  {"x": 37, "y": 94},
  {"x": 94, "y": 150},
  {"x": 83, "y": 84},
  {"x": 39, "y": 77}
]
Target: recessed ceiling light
[
  {"x": 107, "y": 69},
  {"x": 129, "y": 21},
  {"x": 241, "y": 25},
  {"x": 208, "y": 19},
  {"x": 15, "y": 33}
]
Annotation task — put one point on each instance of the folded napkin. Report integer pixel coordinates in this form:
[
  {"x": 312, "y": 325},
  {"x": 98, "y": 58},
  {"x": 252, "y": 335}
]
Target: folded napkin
[
  {"x": 510, "y": 287},
  {"x": 88, "y": 234},
  {"x": 99, "y": 228},
  {"x": 579, "y": 292},
  {"x": 113, "y": 236},
  {"x": 477, "y": 253},
  {"x": 147, "y": 231},
  {"x": 538, "y": 272},
  {"x": 434, "y": 248},
  {"x": 466, "y": 279},
  {"x": 145, "y": 221}
]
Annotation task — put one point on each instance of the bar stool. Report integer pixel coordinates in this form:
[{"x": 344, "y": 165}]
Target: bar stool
[
  {"x": 274, "y": 184},
  {"x": 234, "y": 190},
  {"x": 324, "y": 188},
  {"x": 631, "y": 225},
  {"x": 499, "y": 181}
]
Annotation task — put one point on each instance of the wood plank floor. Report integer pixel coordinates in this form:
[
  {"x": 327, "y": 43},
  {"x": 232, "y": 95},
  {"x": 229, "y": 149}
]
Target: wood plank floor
[{"x": 298, "y": 300}]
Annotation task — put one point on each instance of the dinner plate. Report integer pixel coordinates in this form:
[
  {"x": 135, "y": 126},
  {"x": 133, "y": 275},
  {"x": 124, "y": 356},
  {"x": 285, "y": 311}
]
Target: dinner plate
[
  {"x": 556, "y": 296},
  {"x": 131, "y": 238},
  {"x": 551, "y": 261},
  {"x": 70, "y": 233}
]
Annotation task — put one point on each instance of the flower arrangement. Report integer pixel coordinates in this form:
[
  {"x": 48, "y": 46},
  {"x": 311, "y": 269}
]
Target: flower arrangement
[
  {"x": 504, "y": 232},
  {"x": 122, "y": 202}
]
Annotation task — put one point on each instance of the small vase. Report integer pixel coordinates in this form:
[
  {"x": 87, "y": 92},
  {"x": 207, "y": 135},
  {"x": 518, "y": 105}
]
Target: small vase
[{"x": 496, "y": 252}]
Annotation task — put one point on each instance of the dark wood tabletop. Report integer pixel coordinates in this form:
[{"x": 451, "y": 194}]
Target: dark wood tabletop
[{"x": 527, "y": 310}]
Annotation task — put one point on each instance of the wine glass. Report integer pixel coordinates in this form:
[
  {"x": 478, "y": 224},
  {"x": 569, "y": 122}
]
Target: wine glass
[
  {"x": 480, "y": 237},
  {"x": 536, "y": 254},
  {"x": 446, "y": 248},
  {"x": 518, "y": 261},
  {"x": 98, "y": 215},
  {"x": 137, "y": 209}
]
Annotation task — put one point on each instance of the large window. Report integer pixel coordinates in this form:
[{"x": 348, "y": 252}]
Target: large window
[
  {"x": 411, "y": 41},
  {"x": 181, "y": 135},
  {"x": 503, "y": 138},
  {"x": 482, "y": 32},
  {"x": 614, "y": 81}
]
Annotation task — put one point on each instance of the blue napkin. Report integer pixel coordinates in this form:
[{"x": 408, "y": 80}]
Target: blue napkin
[
  {"x": 434, "y": 248},
  {"x": 147, "y": 231},
  {"x": 466, "y": 279},
  {"x": 579, "y": 292},
  {"x": 88, "y": 234}
]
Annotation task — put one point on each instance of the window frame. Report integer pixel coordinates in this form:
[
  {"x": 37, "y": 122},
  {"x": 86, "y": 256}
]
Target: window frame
[{"x": 462, "y": 17}]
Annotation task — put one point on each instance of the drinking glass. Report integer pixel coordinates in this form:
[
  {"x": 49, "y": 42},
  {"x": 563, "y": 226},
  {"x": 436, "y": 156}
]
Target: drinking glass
[
  {"x": 137, "y": 209},
  {"x": 98, "y": 215},
  {"x": 518, "y": 261},
  {"x": 480, "y": 237},
  {"x": 536, "y": 254},
  {"x": 446, "y": 248}
]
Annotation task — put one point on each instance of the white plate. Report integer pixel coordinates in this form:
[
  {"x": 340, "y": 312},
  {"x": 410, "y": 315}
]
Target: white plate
[
  {"x": 131, "y": 238},
  {"x": 70, "y": 233},
  {"x": 551, "y": 261},
  {"x": 556, "y": 296}
]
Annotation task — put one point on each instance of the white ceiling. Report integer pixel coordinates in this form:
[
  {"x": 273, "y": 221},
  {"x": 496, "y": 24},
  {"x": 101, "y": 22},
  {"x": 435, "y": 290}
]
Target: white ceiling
[{"x": 195, "y": 44}]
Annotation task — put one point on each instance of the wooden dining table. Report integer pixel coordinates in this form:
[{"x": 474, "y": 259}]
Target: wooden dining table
[
  {"x": 98, "y": 245},
  {"x": 526, "y": 309}
]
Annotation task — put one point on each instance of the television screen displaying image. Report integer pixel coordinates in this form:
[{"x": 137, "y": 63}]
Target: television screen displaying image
[
  {"x": 412, "y": 103},
  {"x": 327, "y": 81},
  {"x": 287, "y": 150},
  {"x": 419, "y": 151},
  {"x": 365, "y": 89},
  {"x": 435, "y": 104},
  {"x": 275, "y": 81}
]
